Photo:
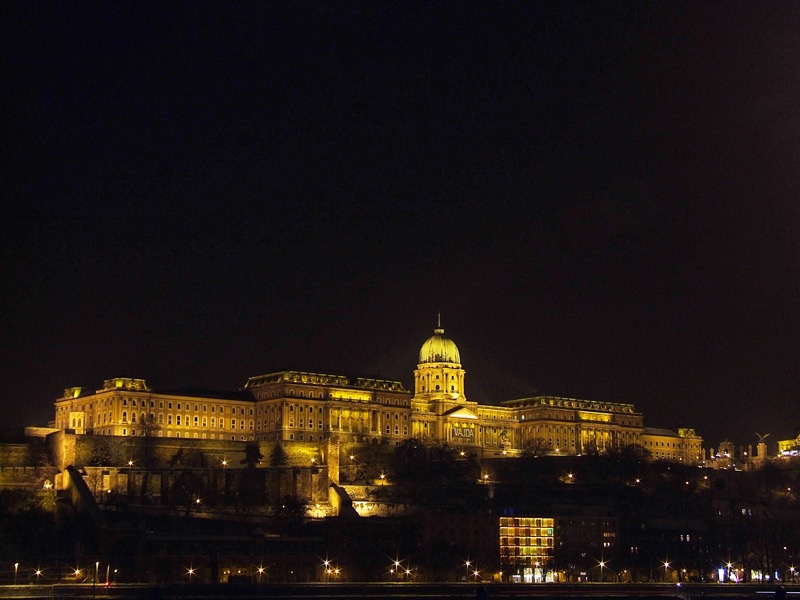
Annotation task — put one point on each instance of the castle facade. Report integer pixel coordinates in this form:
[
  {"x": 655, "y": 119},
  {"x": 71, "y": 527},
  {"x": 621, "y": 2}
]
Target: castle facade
[{"x": 311, "y": 407}]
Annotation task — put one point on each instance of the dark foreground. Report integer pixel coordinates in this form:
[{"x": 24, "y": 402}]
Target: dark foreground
[{"x": 342, "y": 591}]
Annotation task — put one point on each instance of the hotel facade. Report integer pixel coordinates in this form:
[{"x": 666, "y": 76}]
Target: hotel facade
[{"x": 311, "y": 407}]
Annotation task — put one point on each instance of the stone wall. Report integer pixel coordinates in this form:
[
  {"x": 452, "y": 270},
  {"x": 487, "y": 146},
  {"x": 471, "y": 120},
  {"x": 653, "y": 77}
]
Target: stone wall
[{"x": 24, "y": 455}]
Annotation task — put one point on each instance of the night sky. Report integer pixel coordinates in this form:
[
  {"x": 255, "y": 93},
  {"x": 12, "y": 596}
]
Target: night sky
[{"x": 602, "y": 199}]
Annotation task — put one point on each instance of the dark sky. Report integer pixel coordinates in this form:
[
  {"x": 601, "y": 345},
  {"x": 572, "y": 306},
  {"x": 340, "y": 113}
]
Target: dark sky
[{"x": 602, "y": 199}]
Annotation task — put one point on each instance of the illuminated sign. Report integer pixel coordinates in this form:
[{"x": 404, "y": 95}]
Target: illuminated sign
[{"x": 464, "y": 433}]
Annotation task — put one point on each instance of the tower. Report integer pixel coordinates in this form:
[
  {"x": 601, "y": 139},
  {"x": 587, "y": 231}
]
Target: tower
[{"x": 439, "y": 378}]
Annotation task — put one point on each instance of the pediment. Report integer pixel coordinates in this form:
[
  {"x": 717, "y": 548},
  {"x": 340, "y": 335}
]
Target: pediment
[{"x": 461, "y": 413}]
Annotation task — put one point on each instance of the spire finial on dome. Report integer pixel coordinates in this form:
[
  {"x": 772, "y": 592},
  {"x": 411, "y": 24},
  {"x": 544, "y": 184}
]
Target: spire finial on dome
[{"x": 439, "y": 330}]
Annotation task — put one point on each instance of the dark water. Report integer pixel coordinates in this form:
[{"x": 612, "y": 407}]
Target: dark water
[{"x": 344, "y": 591}]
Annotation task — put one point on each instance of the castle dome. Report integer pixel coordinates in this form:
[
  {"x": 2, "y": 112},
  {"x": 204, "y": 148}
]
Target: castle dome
[{"x": 438, "y": 348}]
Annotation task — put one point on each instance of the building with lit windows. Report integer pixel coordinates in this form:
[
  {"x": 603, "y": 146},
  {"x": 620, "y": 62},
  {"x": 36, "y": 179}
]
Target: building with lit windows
[
  {"x": 789, "y": 447},
  {"x": 300, "y": 406},
  {"x": 304, "y": 406},
  {"x": 527, "y": 548},
  {"x": 128, "y": 407},
  {"x": 682, "y": 446}
]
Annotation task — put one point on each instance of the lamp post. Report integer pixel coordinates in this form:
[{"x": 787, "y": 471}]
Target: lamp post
[{"x": 16, "y": 570}]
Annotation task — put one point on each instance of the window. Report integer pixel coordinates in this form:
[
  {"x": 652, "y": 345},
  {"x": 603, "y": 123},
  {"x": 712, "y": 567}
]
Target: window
[{"x": 178, "y": 420}]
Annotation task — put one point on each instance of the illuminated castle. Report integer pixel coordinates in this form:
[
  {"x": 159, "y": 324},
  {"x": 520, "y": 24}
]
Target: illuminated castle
[{"x": 311, "y": 407}]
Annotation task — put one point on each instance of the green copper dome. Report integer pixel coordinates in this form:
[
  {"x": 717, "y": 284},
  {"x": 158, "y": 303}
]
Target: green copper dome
[{"x": 438, "y": 348}]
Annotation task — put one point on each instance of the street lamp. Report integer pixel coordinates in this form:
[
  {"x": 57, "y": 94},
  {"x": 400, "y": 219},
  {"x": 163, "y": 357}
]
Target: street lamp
[
  {"x": 16, "y": 569},
  {"x": 666, "y": 566},
  {"x": 190, "y": 572},
  {"x": 602, "y": 564},
  {"x": 38, "y": 573},
  {"x": 260, "y": 573}
]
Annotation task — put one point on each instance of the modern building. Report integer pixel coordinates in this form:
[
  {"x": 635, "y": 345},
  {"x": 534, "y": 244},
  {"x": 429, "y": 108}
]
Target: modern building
[
  {"x": 527, "y": 548},
  {"x": 311, "y": 407}
]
